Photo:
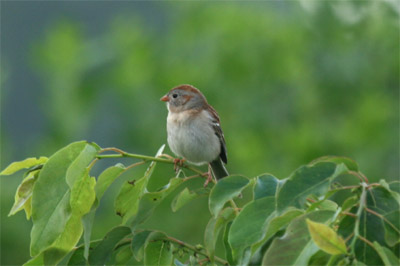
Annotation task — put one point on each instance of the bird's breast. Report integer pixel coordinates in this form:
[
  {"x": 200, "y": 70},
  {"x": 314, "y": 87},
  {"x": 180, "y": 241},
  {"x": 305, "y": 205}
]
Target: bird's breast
[{"x": 191, "y": 136}]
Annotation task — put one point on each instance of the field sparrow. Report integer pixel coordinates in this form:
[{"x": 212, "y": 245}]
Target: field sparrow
[{"x": 194, "y": 130}]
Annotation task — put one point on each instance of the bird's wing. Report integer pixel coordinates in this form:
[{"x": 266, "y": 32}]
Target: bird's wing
[{"x": 218, "y": 131}]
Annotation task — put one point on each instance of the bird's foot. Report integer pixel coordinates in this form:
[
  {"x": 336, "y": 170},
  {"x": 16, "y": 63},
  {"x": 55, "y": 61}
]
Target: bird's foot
[
  {"x": 209, "y": 176},
  {"x": 166, "y": 156},
  {"x": 178, "y": 163}
]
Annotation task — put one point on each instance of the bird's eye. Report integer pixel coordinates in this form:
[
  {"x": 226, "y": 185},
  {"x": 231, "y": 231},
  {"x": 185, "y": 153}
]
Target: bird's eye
[{"x": 174, "y": 95}]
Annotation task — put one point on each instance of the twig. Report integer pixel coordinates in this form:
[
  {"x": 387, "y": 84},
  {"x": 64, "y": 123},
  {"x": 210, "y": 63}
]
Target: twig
[
  {"x": 193, "y": 248},
  {"x": 122, "y": 154},
  {"x": 366, "y": 241}
]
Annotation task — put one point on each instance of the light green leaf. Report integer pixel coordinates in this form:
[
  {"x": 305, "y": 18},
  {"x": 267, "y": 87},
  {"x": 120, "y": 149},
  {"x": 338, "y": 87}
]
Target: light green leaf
[
  {"x": 51, "y": 197},
  {"x": 326, "y": 239},
  {"x": 266, "y": 185},
  {"x": 127, "y": 202},
  {"x": 296, "y": 247},
  {"x": 107, "y": 177},
  {"x": 182, "y": 198},
  {"x": 102, "y": 252},
  {"x": 225, "y": 190},
  {"x": 138, "y": 243},
  {"x": 305, "y": 181},
  {"x": 276, "y": 224},
  {"x": 386, "y": 255},
  {"x": 83, "y": 195},
  {"x": 23, "y": 195},
  {"x": 249, "y": 226},
  {"x": 158, "y": 253},
  {"x": 27, "y": 163},
  {"x": 213, "y": 228},
  {"x": 78, "y": 167}
]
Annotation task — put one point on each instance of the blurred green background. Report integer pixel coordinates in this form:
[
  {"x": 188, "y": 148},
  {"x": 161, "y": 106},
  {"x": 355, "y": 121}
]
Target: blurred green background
[{"x": 291, "y": 80}]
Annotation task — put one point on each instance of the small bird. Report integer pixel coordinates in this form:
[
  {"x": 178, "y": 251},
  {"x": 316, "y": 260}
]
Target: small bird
[{"x": 194, "y": 130}]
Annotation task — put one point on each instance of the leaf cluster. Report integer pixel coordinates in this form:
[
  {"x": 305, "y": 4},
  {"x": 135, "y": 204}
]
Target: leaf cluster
[{"x": 324, "y": 213}]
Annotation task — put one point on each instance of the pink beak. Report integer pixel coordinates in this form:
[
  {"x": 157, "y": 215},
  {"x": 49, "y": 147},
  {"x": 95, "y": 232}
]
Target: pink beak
[{"x": 165, "y": 98}]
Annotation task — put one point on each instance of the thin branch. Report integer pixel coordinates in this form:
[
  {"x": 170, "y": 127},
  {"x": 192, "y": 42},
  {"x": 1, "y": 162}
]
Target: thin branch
[
  {"x": 122, "y": 154},
  {"x": 193, "y": 248}
]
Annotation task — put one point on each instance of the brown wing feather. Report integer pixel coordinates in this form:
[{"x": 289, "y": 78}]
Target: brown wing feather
[{"x": 218, "y": 131}]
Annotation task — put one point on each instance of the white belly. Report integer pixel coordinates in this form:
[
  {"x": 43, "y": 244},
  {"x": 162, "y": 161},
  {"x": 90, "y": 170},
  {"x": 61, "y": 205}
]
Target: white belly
[{"x": 193, "y": 140}]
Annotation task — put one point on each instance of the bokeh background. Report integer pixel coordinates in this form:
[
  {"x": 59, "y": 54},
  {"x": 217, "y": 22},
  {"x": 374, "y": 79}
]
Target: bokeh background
[{"x": 291, "y": 80}]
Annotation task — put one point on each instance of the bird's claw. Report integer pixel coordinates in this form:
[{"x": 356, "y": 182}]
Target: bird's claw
[
  {"x": 178, "y": 163},
  {"x": 209, "y": 177}
]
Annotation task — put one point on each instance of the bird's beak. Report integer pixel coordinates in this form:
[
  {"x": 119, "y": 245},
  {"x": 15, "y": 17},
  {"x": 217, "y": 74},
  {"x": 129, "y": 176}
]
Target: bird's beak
[{"x": 165, "y": 98}]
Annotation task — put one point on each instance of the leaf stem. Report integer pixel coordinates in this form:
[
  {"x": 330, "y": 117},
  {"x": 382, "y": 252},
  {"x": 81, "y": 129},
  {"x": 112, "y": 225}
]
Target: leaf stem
[
  {"x": 193, "y": 248},
  {"x": 358, "y": 214}
]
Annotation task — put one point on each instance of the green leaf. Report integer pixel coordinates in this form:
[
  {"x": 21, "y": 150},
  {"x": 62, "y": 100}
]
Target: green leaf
[
  {"x": 276, "y": 224},
  {"x": 107, "y": 177},
  {"x": 51, "y": 196},
  {"x": 227, "y": 246},
  {"x": 104, "y": 180},
  {"x": 213, "y": 228},
  {"x": 386, "y": 255},
  {"x": 266, "y": 185},
  {"x": 77, "y": 257},
  {"x": 23, "y": 195},
  {"x": 249, "y": 226},
  {"x": 78, "y": 167},
  {"x": 83, "y": 195},
  {"x": 138, "y": 243},
  {"x": 385, "y": 202},
  {"x": 127, "y": 202},
  {"x": 27, "y": 163},
  {"x": 150, "y": 200},
  {"x": 348, "y": 162},
  {"x": 123, "y": 255},
  {"x": 326, "y": 239},
  {"x": 296, "y": 246},
  {"x": 182, "y": 198},
  {"x": 158, "y": 253},
  {"x": 225, "y": 190},
  {"x": 102, "y": 252},
  {"x": 305, "y": 181}
]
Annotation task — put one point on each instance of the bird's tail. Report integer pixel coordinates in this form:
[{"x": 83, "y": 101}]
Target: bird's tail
[{"x": 218, "y": 169}]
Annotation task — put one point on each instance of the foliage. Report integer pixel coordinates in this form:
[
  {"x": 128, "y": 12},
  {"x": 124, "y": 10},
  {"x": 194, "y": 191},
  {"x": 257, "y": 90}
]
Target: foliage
[{"x": 313, "y": 217}]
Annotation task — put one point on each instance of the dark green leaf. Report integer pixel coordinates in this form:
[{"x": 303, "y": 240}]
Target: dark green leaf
[
  {"x": 349, "y": 163},
  {"x": 386, "y": 255},
  {"x": 158, "y": 252},
  {"x": 27, "y": 163},
  {"x": 213, "y": 228},
  {"x": 266, "y": 185},
  {"x": 124, "y": 254},
  {"x": 305, "y": 181},
  {"x": 296, "y": 246},
  {"x": 138, "y": 242},
  {"x": 102, "y": 252},
  {"x": 77, "y": 258},
  {"x": 276, "y": 224},
  {"x": 249, "y": 226},
  {"x": 225, "y": 190},
  {"x": 227, "y": 246},
  {"x": 150, "y": 200}
]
